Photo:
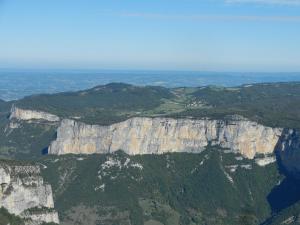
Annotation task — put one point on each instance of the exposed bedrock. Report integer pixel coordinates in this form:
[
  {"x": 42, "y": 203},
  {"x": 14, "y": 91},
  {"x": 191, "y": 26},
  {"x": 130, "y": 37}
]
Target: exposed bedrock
[
  {"x": 24, "y": 193},
  {"x": 27, "y": 115},
  {"x": 160, "y": 135},
  {"x": 288, "y": 152}
]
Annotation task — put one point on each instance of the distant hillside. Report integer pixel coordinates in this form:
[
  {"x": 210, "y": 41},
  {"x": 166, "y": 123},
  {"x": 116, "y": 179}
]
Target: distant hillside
[
  {"x": 274, "y": 104},
  {"x": 101, "y": 104}
]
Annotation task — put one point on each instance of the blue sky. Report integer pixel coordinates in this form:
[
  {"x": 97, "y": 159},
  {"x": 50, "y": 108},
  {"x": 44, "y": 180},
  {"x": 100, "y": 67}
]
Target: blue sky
[{"x": 205, "y": 35}]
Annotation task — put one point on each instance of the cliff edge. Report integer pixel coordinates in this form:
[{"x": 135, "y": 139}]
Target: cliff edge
[{"x": 141, "y": 135}]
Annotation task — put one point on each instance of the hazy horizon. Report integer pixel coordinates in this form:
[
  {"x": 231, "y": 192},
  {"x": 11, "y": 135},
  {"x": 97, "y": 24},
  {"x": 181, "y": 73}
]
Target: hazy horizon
[{"x": 19, "y": 83}]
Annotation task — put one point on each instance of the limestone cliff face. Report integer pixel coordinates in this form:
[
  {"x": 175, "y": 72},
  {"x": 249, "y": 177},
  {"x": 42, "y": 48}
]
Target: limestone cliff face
[
  {"x": 23, "y": 193},
  {"x": 161, "y": 135},
  {"x": 27, "y": 115},
  {"x": 288, "y": 151}
]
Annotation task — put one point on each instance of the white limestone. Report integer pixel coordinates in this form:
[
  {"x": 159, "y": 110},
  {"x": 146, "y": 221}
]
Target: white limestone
[
  {"x": 161, "y": 135},
  {"x": 22, "y": 189},
  {"x": 265, "y": 161},
  {"x": 27, "y": 115}
]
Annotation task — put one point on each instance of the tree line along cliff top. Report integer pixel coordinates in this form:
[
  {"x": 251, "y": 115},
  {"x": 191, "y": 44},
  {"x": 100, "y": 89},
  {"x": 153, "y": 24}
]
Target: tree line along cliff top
[{"x": 272, "y": 104}]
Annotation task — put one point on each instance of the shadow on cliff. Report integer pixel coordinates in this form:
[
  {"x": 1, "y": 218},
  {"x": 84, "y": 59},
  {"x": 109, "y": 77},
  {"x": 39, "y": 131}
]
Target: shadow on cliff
[
  {"x": 287, "y": 193},
  {"x": 284, "y": 195},
  {"x": 45, "y": 151}
]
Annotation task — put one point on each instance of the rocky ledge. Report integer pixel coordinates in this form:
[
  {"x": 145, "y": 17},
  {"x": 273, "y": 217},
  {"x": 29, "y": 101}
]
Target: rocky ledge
[
  {"x": 160, "y": 135},
  {"x": 24, "y": 193},
  {"x": 28, "y": 115}
]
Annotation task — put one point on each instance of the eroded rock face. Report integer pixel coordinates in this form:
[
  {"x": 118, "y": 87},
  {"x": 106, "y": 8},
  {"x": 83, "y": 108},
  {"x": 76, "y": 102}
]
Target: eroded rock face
[
  {"x": 24, "y": 193},
  {"x": 27, "y": 115},
  {"x": 161, "y": 135},
  {"x": 288, "y": 151}
]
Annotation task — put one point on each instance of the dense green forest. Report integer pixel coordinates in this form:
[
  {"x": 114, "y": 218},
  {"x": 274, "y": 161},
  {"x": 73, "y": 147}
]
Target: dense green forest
[
  {"x": 168, "y": 189},
  {"x": 276, "y": 105},
  {"x": 102, "y": 104}
]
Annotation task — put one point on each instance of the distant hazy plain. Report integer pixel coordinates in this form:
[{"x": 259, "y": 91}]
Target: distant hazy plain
[{"x": 15, "y": 84}]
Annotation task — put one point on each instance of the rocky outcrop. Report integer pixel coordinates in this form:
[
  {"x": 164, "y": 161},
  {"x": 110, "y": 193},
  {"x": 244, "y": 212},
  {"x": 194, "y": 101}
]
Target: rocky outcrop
[
  {"x": 24, "y": 193},
  {"x": 27, "y": 115},
  {"x": 161, "y": 135},
  {"x": 288, "y": 152}
]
